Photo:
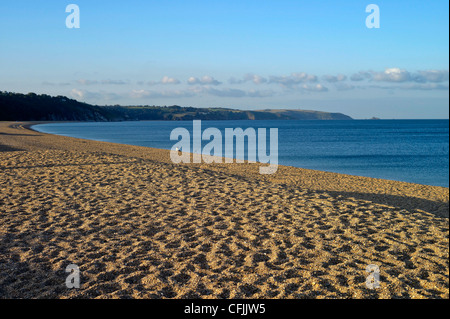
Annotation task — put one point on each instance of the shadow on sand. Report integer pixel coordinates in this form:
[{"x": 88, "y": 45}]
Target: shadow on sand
[
  {"x": 439, "y": 209},
  {"x": 6, "y": 148}
]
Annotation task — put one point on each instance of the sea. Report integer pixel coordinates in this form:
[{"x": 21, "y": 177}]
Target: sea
[{"x": 415, "y": 151}]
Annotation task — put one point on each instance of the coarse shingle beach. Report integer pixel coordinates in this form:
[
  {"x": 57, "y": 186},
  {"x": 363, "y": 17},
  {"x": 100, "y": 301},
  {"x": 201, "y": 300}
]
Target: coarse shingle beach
[{"x": 140, "y": 226}]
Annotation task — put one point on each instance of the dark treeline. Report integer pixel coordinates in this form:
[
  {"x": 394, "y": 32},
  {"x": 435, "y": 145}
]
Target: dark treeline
[{"x": 34, "y": 107}]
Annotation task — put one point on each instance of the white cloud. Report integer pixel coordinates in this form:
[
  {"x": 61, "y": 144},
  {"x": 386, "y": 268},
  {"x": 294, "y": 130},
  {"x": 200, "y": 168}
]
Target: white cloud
[
  {"x": 77, "y": 94},
  {"x": 165, "y": 80},
  {"x": 85, "y": 95},
  {"x": 314, "y": 88},
  {"x": 193, "y": 80},
  {"x": 205, "y": 80},
  {"x": 169, "y": 80},
  {"x": 392, "y": 75},
  {"x": 256, "y": 79},
  {"x": 88, "y": 95}
]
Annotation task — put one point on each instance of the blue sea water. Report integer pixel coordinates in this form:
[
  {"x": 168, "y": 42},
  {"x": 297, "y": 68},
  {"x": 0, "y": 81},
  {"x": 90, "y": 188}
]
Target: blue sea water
[{"x": 415, "y": 151}]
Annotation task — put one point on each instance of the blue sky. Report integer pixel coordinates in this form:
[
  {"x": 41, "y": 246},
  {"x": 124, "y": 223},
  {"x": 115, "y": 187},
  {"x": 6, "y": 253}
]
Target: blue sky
[{"x": 242, "y": 54}]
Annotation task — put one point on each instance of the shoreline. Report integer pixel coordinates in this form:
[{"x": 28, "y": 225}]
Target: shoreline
[
  {"x": 30, "y": 127},
  {"x": 139, "y": 226}
]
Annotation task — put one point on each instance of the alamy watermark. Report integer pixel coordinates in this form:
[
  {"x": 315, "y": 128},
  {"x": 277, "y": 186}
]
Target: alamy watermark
[
  {"x": 212, "y": 152},
  {"x": 73, "y": 19},
  {"x": 373, "y": 279},
  {"x": 373, "y": 19},
  {"x": 73, "y": 279}
]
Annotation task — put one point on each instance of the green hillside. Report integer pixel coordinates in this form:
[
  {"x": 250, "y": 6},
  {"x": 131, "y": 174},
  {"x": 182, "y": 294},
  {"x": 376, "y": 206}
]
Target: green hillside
[{"x": 33, "y": 107}]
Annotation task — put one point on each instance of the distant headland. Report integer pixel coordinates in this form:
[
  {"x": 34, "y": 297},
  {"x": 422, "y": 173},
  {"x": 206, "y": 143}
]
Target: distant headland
[{"x": 43, "y": 107}]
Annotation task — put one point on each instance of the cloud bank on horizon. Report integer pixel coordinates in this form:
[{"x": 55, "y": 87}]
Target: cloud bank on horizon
[{"x": 389, "y": 79}]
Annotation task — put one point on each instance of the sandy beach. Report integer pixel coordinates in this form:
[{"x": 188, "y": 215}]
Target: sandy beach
[{"x": 139, "y": 226}]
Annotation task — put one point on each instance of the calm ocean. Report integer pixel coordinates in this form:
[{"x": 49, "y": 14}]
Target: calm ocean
[{"x": 415, "y": 151}]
